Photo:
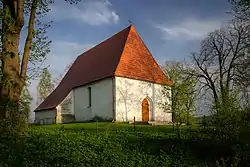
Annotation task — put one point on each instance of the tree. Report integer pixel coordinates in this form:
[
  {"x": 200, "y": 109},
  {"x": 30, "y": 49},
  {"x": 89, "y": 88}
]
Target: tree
[
  {"x": 220, "y": 58},
  {"x": 36, "y": 46},
  {"x": 183, "y": 93},
  {"x": 14, "y": 65},
  {"x": 45, "y": 86},
  {"x": 25, "y": 102},
  {"x": 24, "y": 107},
  {"x": 241, "y": 9},
  {"x": 220, "y": 74}
]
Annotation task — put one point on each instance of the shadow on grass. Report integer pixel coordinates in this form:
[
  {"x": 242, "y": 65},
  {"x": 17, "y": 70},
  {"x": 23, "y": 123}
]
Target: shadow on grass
[
  {"x": 110, "y": 127},
  {"x": 136, "y": 145},
  {"x": 182, "y": 149}
]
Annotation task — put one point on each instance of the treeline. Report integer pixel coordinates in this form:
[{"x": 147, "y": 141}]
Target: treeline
[{"x": 218, "y": 74}]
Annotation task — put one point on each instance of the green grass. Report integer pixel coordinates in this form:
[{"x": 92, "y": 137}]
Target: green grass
[
  {"x": 104, "y": 144},
  {"x": 109, "y": 127}
]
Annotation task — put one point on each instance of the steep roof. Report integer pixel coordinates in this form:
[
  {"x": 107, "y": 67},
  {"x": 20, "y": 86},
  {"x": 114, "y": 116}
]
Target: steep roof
[{"x": 124, "y": 54}]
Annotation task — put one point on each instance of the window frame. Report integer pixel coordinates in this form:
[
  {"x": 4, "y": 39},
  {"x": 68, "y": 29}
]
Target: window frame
[{"x": 89, "y": 97}]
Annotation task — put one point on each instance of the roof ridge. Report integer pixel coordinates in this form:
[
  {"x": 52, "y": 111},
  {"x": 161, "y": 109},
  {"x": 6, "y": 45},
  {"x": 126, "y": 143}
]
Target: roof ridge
[{"x": 105, "y": 40}]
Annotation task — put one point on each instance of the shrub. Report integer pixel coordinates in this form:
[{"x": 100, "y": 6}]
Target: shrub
[{"x": 101, "y": 119}]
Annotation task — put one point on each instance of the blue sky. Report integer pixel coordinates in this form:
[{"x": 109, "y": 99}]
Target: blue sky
[{"x": 170, "y": 28}]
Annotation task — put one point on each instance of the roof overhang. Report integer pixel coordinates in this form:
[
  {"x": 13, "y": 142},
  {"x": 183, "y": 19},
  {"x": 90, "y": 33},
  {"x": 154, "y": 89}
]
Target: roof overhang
[{"x": 43, "y": 109}]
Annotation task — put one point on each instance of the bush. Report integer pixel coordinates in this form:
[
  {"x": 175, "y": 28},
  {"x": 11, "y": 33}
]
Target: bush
[{"x": 102, "y": 119}]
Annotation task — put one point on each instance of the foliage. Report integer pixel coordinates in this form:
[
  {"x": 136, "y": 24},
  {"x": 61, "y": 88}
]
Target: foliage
[
  {"x": 45, "y": 86},
  {"x": 17, "y": 125},
  {"x": 40, "y": 46},
  {"x": 102, "y": 119},
  {"x": 223, "y": 75},
  {"x": 114, "y": 145},
  {"x": 204, "y": 121},
  {"x": 228, "y": 119},
  {"x": 241, "y": 9},
  {"x": 182, "y": 92},
  {"x": 36, "y": 45},
  {"x": 25, "y": 101},
  {"x": 19, "y": 64},
  {"x": 219, "y": 71}
]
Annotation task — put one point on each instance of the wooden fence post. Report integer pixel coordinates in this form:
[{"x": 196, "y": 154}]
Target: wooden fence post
[
  {"x": 134, "y": 122},
  {"x": 96, "y": 126}
]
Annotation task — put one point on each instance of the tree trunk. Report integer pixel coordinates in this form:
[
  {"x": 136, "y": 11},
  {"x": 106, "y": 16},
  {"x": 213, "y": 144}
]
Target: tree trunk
[{"x": 11, "y": 84}]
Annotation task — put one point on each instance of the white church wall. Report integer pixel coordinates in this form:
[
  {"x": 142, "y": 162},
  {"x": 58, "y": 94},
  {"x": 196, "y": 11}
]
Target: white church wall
[
  {"x": 67, "y": 106},
  {"x": 129, "y": 96},
  {"x": 101, "y": 101},
  {"x": 45, "y": 117},
  {"x": 160, "y": 114},
  {"x": 65, "y": 110}
]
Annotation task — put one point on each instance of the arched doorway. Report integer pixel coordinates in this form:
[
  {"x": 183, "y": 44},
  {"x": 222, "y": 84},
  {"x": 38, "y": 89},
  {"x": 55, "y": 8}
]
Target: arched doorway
[{"x": 145, "y": 110}]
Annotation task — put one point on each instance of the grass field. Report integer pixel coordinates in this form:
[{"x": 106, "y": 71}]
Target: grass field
[
  {"x": 104, "y": 144},
  {"x": 108, "y": 127}
]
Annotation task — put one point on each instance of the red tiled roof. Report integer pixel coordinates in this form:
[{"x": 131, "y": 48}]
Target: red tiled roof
[
  {"x": 137, "y": 62},
  {"x": 123, "y": 54}
]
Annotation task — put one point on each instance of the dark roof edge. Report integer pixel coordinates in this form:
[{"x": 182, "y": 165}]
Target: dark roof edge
[
  {"x": 93, "y": 81},
  {"x": 42, "y": 109}
]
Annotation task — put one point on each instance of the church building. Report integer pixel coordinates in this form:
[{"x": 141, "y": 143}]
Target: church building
[{"x": 117, "y": 80}]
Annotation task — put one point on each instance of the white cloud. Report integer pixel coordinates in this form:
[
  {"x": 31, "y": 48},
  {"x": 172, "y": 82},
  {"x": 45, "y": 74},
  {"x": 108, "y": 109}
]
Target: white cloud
[
  {"x": 91, "y": 12},
  {"x": 189, "y": 29}
]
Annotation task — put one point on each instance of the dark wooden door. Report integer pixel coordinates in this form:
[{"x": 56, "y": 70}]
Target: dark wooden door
[{"x": 145, "y": 110}]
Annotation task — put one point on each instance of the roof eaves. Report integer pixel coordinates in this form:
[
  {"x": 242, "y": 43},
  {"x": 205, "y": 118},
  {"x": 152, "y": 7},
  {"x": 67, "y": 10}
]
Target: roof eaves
[{"x": 42, "y": 109}]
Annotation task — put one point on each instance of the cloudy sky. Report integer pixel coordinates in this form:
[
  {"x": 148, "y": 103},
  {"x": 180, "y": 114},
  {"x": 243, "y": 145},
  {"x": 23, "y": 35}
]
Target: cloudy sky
[{"x": 170, "y": 28}]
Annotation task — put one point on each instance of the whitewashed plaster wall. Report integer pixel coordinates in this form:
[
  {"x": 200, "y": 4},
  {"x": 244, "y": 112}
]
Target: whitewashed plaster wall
[
  {"x": 160, "y": 113},
  {"x": 101, "y": 100},
  {"x": 67, "y": 106},
  {"x": 129, "y": 96},
  {"x": 45, "y": 117}
]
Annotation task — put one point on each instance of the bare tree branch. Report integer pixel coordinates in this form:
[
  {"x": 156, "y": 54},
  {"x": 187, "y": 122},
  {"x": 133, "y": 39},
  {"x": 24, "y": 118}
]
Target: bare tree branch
[
  {"x": 220, "y": 58},
  {"x": 29, "y": 38}
]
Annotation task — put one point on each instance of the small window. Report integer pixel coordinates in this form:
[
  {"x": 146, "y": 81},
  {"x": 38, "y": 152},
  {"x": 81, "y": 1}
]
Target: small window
[{"x": 89, "y": 94}]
